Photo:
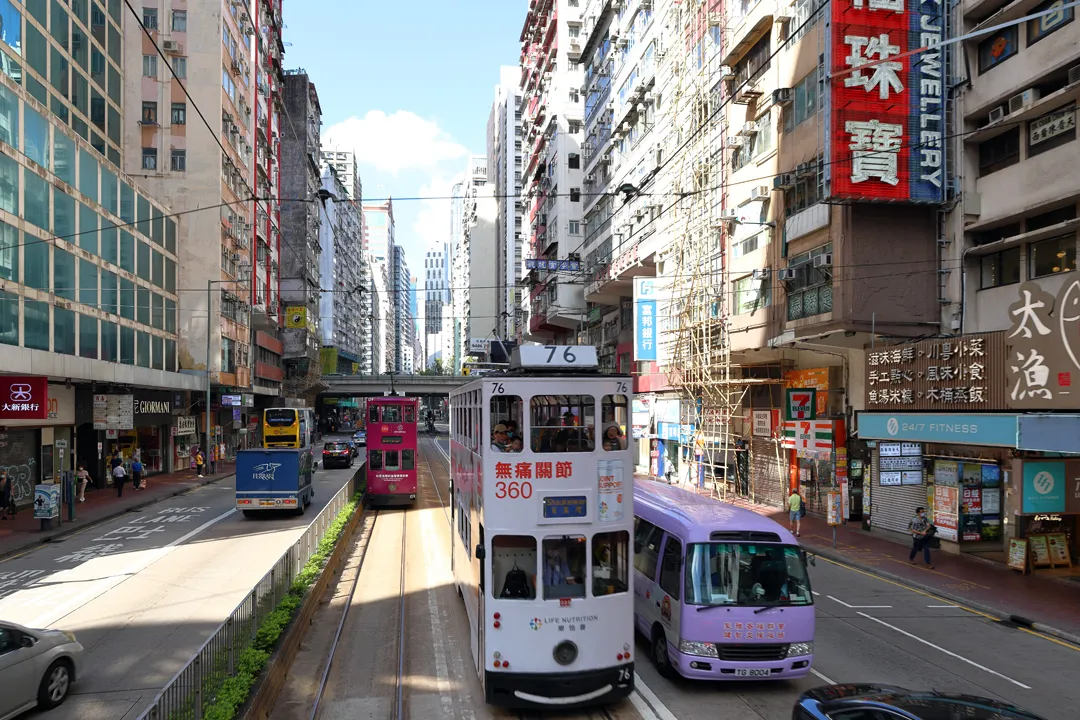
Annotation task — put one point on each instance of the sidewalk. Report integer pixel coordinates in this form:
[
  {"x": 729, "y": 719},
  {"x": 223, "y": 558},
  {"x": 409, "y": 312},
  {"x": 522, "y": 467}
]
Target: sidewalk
[
  {"x": 1047, "y": 604},
  {"x": 23, "y": 532}
]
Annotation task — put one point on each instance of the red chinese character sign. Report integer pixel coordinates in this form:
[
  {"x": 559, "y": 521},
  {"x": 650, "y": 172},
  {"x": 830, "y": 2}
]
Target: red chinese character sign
[
  {"x": 887, "y": 105},
  {"x": 24, "y": 398}
]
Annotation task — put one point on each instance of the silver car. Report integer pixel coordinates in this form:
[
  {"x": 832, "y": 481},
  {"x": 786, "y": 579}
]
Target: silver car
[{"x": 37, "y": 668}]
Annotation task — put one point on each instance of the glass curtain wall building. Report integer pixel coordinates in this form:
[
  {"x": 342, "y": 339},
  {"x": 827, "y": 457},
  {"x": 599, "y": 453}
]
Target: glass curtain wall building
[{"x": 87, "y": 263}]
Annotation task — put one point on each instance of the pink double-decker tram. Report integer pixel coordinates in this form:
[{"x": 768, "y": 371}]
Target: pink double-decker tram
[{"x": 391, "y": 450}]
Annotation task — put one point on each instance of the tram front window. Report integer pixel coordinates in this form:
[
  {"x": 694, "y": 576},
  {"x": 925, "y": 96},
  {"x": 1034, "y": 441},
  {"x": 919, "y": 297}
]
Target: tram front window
[
  {"x": 614, "y": 417},
  {"x": 564, "y": 567},
  {"x": 513, "y": 567},
  {"x": 562, "y": 423},
  {"x": 391, "y": 414},
  {"x": 610, "y": 563}
]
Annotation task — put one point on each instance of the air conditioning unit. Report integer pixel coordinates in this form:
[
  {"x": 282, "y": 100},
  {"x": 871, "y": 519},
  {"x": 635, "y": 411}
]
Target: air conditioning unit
[
  {"x": 170, "y": 46},
  {"x": 823, "y": 260},
  {"x": 622, "y": 43},
  {"x": 735, "y": 141},
  {"x": 788, "y": 273},
  {"x": 590, "y": 177},
  {"x": 762, "y": 274},
  {"x": 649, "y": 97},
  {"x": 1074, "y": 74},
  {"x": 997, "y": 113},
  {"x": 729, "y": 217},
  {"x": 725, "y": 71},
  {"x": 749, "y": 128},
  {"x": 759, "y": 193},
  {"x": 1025, "y": 99},
  {"x": 236, "y": 67},
  {"x": 782, "y": 96},
  {"x": 606, "y": 157},
  {"x": 784, "y": 181}
]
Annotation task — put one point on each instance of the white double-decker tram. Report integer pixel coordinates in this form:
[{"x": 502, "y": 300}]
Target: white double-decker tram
[{"x": 542, "y": 495}]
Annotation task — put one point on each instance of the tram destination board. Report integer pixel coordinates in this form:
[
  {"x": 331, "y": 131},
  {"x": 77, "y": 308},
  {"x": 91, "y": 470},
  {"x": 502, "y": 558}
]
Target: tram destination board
[
  {"x": 569, "y": 506},
  {"x": 391, "y": 440},
  {"x": 552, "y": 357}
]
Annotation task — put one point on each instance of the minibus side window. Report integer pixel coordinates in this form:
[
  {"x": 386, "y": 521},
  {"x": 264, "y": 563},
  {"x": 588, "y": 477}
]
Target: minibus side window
[
  {"x": 647, "y": 538},
  {"x": 670, "y": 568}
]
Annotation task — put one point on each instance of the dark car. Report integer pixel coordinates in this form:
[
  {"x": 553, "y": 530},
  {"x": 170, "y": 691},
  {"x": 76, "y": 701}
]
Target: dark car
[
  {"x": 888, "y": 702},
  {"x": 337, "y": 453}
]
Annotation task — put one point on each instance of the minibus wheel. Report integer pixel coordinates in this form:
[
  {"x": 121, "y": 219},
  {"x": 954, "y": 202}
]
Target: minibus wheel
[{"x": 660, "y": 655}]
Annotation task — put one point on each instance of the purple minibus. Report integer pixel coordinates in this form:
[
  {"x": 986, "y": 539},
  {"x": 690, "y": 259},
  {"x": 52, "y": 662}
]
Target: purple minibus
[{"x": 721, "y": 593}]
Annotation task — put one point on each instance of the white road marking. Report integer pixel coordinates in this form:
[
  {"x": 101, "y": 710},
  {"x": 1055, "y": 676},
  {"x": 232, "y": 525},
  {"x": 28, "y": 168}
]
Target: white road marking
[
  {"x": 442, "y": 674},
  {"x": 815, "y": 592},
  {"x": 143, "y": 560},
  {"x": 660, "y": 710},
  {"x": 822, "y": 677},
  {"x": 642, "y": 707},
  {"x": 950, "y": 653},
  {"x": 854, "y": 607}
]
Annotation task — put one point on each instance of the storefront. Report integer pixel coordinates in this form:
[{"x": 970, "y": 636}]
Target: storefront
[
  {"x": 814, "y": 436},
  {"x": 664, "y": 449},
  {"x": 643, "y": 429},
  {"x": 35, "y": 451},
  {"x": 185, "y": 438}
]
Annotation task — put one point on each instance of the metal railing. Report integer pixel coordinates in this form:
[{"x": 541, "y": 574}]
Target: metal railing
[{"x": 188, "y": 694}]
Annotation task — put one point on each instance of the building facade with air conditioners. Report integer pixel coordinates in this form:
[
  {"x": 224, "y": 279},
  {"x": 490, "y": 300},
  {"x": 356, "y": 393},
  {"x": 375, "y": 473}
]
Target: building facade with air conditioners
[
  {"x": 464, "y": 273},
  {"x": 623, "y": 44},
  {"x": 1015, "y": 149},
  {"x": 553, "y": 131},
  {"x": 379, "y": 235},
  {"x": 342, "y": 263}
]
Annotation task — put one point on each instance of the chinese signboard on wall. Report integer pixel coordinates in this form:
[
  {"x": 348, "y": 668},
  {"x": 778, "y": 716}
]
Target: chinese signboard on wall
[
  {"x": 961, "y": 373},
  {"x": 24, "y": 398},
  {"x": 887, "y": 121},
  {"x": 645, "y": 319},
  {"x": 1043, "y": 348}
]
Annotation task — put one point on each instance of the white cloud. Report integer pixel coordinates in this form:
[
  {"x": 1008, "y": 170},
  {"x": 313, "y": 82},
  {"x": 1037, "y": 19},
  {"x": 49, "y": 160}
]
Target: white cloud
[{"x": 395, "y": 143}]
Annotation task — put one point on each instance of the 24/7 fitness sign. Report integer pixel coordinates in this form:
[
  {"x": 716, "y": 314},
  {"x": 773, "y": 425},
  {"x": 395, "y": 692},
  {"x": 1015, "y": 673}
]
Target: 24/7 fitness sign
[{"x": 801, "y": 404}]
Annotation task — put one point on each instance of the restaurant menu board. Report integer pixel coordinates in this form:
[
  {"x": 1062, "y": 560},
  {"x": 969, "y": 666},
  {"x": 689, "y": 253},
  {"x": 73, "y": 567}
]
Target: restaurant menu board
[
  {"x": 1040, "y": 551},
  {"x": 946, "y": 501},
  {"x": 1059, "y": 549},
  {"x": 1018, "y": 554}
]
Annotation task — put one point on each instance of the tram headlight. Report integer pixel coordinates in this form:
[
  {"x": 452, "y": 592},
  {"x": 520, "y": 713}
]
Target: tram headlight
[
  {"x": 797, "y": 649},
  {"x": 565, "y": 652},
  {"x": 699, "y": 649}
]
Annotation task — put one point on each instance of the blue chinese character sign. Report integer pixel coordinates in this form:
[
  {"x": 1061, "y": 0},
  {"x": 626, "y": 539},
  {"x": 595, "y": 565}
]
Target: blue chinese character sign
[{"x": 645, "y": 319}]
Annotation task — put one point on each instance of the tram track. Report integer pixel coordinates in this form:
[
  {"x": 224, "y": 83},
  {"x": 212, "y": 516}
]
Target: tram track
[{"x": 319, "y": 703}]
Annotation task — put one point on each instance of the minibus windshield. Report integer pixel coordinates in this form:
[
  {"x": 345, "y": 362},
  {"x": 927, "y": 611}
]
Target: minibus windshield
[{"x": 748, "y": 574}]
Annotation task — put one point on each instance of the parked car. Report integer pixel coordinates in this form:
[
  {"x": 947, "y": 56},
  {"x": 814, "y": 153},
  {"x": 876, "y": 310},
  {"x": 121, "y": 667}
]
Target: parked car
[
  {"x": 888, "y": 702},
  {"x": 37, "y": 668},
  {"x": 337, "y": 452},
  {"x": 360, "y": 437}
]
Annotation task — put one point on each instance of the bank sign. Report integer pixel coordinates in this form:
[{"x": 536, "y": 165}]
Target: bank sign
[{"x": 887, "y": 106}]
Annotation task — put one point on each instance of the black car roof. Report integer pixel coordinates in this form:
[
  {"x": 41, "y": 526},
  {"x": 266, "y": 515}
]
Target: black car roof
[{"x": 928, "y": 705}]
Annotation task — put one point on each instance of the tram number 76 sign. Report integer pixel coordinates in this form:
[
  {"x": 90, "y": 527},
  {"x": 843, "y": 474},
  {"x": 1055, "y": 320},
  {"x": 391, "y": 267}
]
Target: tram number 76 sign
[{"x": 801, "y": 404}]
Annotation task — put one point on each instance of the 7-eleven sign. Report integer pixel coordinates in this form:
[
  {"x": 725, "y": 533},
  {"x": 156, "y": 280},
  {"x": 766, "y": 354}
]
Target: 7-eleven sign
[{"x": 801, "y": 404}]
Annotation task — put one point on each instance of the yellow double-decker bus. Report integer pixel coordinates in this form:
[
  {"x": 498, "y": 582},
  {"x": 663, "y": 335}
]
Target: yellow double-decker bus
[{"x": 288, "y": 427}]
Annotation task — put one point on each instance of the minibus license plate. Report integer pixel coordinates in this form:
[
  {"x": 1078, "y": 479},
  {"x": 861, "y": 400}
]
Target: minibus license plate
[{"x": 753, "y": 672}]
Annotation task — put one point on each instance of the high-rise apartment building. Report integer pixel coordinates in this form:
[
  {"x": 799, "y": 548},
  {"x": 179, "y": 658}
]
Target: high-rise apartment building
[
  {"x": 438, "y": 312},
  {"x": 402, "y": 339},
  {"x": 232, "y": 164},
  {"x": 504, "y": 171},
  {"x": 341, "y": 266},
  {"x": 379, "y": 233},
  {"x": 344, "y": 163},
  {"x": 552, "y": 134},
  {"x": 88, "y": 259},
  {"x": 301, "y": 221},
  {"x": 463, "y": 269}
]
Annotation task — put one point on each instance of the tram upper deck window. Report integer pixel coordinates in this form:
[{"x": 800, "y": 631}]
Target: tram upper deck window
[
  {"x": 373, "y": 414},
  {"x": 564, "y": 567},
  {"x": 391, "y": 414},
  {"x": 410, "y": 414},
  {"x": 505, "y": 420},
  {"x": 615, "y": 419},
  {"x": 562, "y": 423}
]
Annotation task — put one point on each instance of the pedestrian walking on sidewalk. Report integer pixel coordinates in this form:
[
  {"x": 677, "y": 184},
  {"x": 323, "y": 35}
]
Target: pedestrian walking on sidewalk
[
  {"x": 119, "y": 474},
  {"x": 213, "y": 458},
  {"x": 920, "y": 536},
  {"x": 136, "y": 472},
  {"x": 7, "y": 496},
  {"x": 796, "y": 510},
  {"x": 199, "y": 462},
  {"x": 83, "y": 478}
]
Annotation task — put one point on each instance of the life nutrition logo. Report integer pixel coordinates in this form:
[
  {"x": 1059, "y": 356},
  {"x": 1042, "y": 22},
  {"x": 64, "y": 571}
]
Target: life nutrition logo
[{"x": 24, "y": 398}]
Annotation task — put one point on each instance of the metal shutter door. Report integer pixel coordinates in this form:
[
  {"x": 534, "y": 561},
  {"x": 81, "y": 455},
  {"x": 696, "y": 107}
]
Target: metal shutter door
[
  {"x": 893, "y": 506},
  {"x": 768, "y": 477}
]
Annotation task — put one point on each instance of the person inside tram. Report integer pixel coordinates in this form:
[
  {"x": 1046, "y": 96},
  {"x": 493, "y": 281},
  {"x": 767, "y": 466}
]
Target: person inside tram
[
  {"x": 557, "y": 569},
  {"x": 516, "y": 444},
  {"x": 613, "y": 438},
  {"x": 512, "y": 429},
  {"x": 560, "y": 442},
  {"x": 499, "y": 438}
]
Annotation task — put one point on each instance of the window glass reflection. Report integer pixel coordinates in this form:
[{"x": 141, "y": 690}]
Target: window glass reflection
[
  {"x": 35, "y": 199},
  {"x": 36, "y": 136},
  {"x": 9, "y": 318},
  {"x": 36, "y": 325}
]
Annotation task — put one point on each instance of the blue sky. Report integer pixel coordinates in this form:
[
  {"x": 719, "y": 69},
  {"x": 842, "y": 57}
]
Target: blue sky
[{"x": 407, "y": 85}]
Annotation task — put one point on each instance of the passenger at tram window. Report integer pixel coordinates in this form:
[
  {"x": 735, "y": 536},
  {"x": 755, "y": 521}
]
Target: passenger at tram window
[
  {"x": 499, "y": 438},
  {"x": 610, "y": 557},
  {"x": 560, "y": 442},
  {"x": 613, "y": 438},
  {"x": 564, "y": 567},
  {"x": 516, "y": 445},
  {"x": 512, "y": 429}
]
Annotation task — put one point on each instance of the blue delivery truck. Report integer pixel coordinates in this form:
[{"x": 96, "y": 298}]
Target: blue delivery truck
[{"x": 277, "y": 479}]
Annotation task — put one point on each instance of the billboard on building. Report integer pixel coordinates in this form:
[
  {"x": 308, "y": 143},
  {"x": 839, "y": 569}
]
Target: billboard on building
[
  {"x": 887, "y": 101},
  {"x": 645, "y": 335}
]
